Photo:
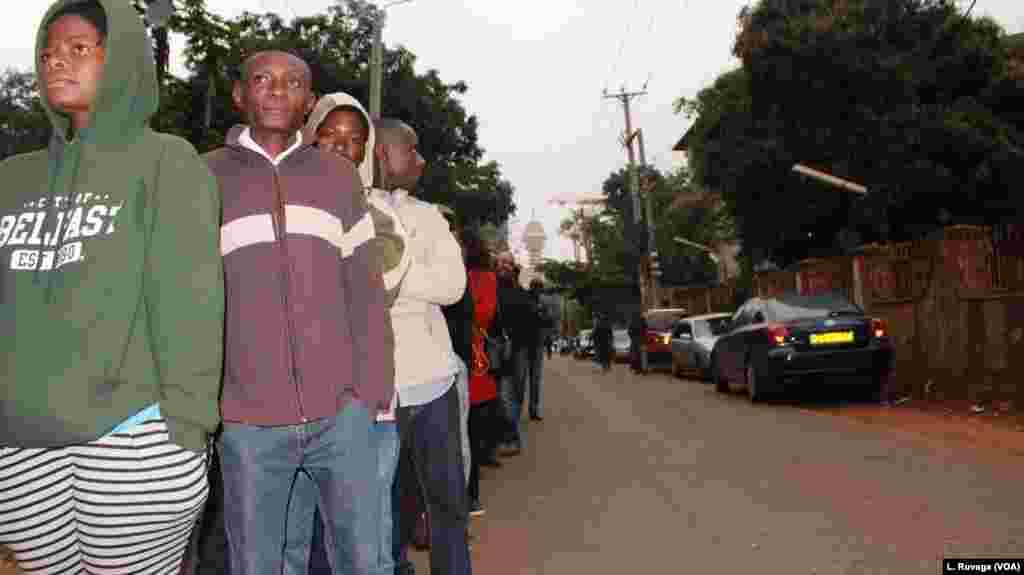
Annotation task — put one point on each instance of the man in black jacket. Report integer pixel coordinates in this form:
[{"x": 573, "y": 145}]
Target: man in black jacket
[
  {"x": 459, "y": 317},
  {"x": 519, "y": 312},
  {"x": 535, "y": 353}
]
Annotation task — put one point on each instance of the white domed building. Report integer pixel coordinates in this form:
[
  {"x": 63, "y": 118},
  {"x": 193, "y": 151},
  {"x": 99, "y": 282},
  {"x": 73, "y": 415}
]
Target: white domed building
[{"x": 534, "y": 239}]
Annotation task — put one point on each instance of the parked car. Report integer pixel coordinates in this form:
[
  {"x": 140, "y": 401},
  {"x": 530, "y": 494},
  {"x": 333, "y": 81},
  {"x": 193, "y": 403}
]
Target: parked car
[
  {"x": 773, "y": 343},
  {"x": 693, "y": 338},
  {"x": 620, "y": 345},
  {"x": 658, "y": 335},
  {"x": 584, "y": 344},
  {"x": 563, "y": 345}
]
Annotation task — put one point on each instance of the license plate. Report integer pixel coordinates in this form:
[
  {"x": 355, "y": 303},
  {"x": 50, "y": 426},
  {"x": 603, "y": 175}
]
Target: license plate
[{"x": 832, "y": 337}]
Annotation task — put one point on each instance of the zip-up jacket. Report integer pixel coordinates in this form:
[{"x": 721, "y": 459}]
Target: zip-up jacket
[{"x": 306, "y": 329}]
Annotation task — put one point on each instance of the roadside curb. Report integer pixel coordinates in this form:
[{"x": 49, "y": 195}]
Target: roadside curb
[{"x": 953, "y": 427}]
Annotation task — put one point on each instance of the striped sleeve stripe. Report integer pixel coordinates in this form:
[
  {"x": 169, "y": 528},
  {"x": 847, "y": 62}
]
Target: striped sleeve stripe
[
  {"x": 246, "y": 231},
  {"x": 358, "y": 235},
  {"x": 301, "y": 220},
  {"x": 310, "y": 221}
]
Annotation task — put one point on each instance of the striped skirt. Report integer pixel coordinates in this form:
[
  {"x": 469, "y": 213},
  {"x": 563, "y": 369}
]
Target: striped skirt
[{"x": 123, "y": 504}]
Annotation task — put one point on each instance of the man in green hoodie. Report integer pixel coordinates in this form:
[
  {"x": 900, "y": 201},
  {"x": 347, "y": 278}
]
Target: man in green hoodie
[{"x": 111, "y": 307}]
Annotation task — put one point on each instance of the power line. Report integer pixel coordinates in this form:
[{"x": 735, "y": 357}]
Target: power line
[
  {"x": 968, "y": 13},
  {"x": 625, "y": 98}
]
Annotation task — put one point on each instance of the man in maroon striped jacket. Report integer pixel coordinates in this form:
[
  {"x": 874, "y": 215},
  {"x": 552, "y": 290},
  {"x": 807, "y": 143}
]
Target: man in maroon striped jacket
[{"x": 309, "y": 356}]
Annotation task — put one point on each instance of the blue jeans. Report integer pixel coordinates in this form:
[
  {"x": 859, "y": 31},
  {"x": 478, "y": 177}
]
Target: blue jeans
[
  {"x": 512, "y": 392},
  {"x": 432, "y": 434},
  {"x": 535, "y": 378},
  {"x": 305, "y": 553},
  {"x": 260, "y": 466}
]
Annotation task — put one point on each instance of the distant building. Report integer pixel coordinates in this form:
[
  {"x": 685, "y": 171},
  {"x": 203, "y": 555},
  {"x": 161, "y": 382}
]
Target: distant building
[{"x": 534, "y": 239}]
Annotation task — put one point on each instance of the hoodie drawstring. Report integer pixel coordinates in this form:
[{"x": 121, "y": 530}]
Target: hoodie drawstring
[{"x": 54, "y": 276}]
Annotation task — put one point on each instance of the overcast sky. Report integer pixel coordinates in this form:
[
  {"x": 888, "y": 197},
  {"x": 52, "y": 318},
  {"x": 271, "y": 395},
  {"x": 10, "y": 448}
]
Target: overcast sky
[{"x": 536, "y": 70}]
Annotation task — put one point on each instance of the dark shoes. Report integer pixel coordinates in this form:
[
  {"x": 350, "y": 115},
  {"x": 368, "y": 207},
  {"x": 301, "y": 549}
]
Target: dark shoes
[
  {"x": 536, "y": 418},
  {"x": 492, "y": 462},
  {"x": 476, "y": 509},
  {"x": 510, "y": 449}
]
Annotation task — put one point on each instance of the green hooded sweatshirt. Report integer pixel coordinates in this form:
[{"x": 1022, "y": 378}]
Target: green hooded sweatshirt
[{"x": 111, "y": 285}]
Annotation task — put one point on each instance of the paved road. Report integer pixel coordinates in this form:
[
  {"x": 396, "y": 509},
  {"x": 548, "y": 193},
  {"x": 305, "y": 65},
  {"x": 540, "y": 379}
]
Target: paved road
[{"x": 653, "y": 474}]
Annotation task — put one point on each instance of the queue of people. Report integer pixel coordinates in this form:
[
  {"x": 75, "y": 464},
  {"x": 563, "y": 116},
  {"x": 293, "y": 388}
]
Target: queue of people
[{"x": 283, "y": 305}]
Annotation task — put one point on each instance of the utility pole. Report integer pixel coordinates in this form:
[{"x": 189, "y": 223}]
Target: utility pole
[
  {"x": 158, "y": 15},
  {"x": 625, "y": 98},
  {"x": 377, "y": 59},
  {"x": 377, "y": 65},
  {"x": 652, "y": 246}
]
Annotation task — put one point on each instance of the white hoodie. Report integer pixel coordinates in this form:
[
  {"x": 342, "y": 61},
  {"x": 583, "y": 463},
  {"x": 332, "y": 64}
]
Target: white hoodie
[
  {"x": 390, "y": 234},
  {"x": 431, "y": 274}
]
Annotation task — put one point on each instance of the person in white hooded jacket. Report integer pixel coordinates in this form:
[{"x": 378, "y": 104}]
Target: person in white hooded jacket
[{"x": 418, "y": 276}]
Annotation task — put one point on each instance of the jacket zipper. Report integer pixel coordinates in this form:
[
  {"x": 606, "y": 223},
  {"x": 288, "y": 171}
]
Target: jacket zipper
[{"x": 277, "y": 214}]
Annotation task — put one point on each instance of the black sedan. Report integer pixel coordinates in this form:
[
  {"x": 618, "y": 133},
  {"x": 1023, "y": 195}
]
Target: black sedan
[{"x": 771, "y": 343}]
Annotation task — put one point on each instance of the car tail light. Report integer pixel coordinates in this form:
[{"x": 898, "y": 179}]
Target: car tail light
[
  {"x": 777, "y": 334},
  {"x": 878, "y": 328},
  {"x": 666, "y": 339}
]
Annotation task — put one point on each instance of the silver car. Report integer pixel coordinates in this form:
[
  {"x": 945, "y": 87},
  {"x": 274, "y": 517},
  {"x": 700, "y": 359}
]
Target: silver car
[
  {"x": 620, "y": 345},
  {"x": 692, "y": 341}
]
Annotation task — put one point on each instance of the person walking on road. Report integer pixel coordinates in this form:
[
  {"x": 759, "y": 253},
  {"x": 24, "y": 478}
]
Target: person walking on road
[
  {"x": 637, "y": 345},
  {"x": 603, "y": 342},
  {"x": 309, "y": 356},
  {"x": 426, "y": 365}
]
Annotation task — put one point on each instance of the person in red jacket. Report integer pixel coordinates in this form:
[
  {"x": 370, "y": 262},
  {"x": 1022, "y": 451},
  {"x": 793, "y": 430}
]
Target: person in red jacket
[{"x": 484, "y": 414}]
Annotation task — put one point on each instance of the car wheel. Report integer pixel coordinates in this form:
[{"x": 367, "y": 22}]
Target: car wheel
[
  {"x": 701, "y": 370},
  {"x": 721, "y": 384},
  {"x": 755, "y": 385},
  {"x": 875, "y": 393}
]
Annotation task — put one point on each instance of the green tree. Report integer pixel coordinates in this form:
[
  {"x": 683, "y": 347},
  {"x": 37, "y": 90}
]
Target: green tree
[
  {"x": 23, "y": 123},
  {"x": 908, "y": 97},
  {"x": 619, "y": 240},
  {"x": 337, "y": 46}
]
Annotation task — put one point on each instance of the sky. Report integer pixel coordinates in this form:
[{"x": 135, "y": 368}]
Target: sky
[{"x": 536, "y": 71}]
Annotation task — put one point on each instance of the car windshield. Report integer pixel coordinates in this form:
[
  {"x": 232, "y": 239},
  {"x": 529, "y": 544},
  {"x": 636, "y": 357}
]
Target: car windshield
[
  {"x": 716, "y": 326},
  {"x": 794, "y": 307},
  {"x": 662, "y": 321}
]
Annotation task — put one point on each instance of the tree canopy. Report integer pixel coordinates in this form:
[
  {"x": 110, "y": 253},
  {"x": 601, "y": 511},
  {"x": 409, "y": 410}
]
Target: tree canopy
[
  {"x": 23, "y": 123},
  {"x": 910, "y": 98},
  {"x": 336, "y": 44},
  {"x": 616, "y": 242}
]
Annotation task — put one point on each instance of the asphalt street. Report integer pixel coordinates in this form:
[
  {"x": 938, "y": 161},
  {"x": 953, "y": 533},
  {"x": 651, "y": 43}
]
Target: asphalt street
[{"x": 653, "y": 474}]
